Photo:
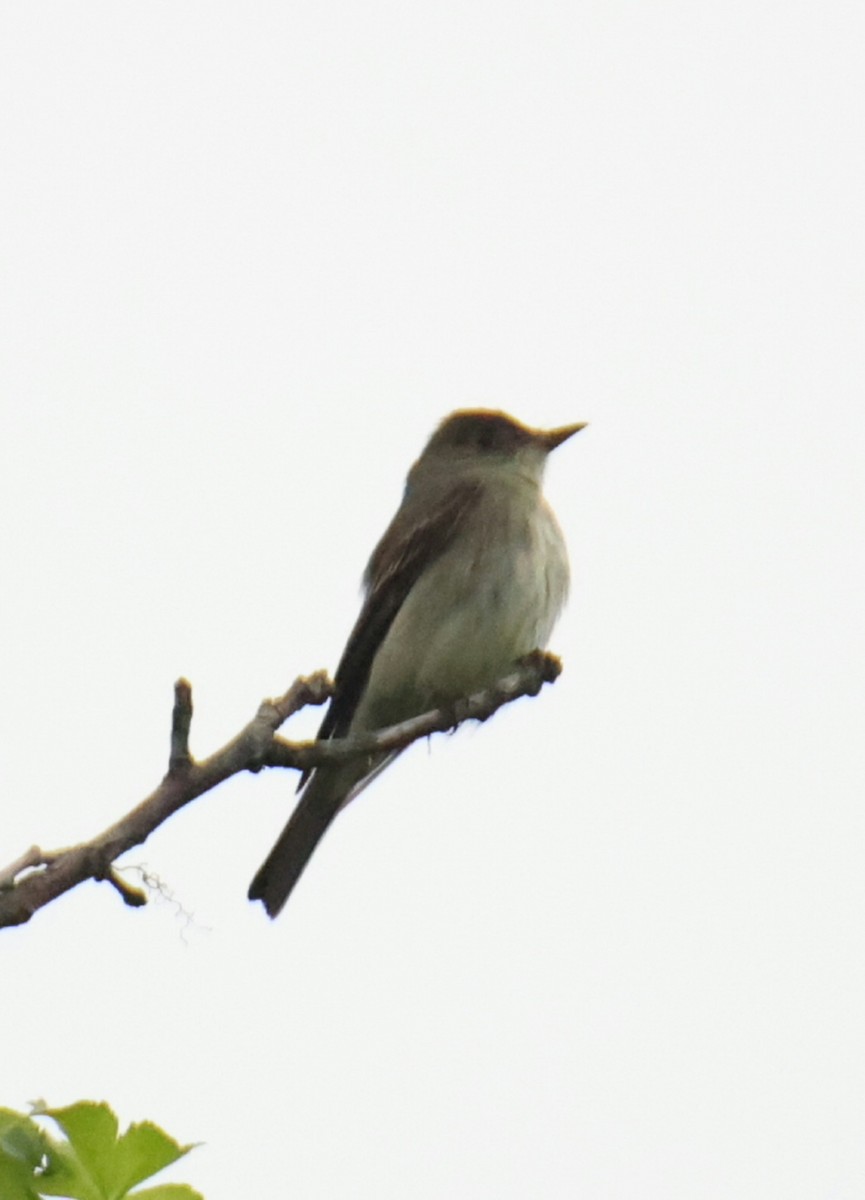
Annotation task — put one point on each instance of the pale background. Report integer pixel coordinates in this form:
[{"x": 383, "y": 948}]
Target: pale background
[{"x": 612, "y": 944}]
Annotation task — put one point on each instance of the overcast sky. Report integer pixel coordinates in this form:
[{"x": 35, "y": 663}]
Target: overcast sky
[{"x": 611, "y": 944}]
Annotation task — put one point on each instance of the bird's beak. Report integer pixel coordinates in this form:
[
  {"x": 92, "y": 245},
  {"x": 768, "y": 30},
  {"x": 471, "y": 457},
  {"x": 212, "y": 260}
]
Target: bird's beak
[{"x": 554, "y": 437}]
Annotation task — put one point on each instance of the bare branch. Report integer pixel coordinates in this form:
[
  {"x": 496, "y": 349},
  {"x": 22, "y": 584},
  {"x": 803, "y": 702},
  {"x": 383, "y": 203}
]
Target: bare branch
[
  {"x": 526, "y": 680},
  {"x": 133, "y": 896},
  {"x": 30, "y": 858},
  {"x": 181, "y": 720},
  {"x": 37, "y": 877}
]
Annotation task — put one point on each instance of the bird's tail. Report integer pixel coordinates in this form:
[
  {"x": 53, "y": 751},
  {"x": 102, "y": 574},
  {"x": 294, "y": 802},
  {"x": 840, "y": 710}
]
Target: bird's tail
[
  {"x": 321, "y": 801},
  {"x": 328, "y": 790}
]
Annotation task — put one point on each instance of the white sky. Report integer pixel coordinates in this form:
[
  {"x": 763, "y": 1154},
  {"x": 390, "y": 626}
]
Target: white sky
[{"x": 610, "y": 945}]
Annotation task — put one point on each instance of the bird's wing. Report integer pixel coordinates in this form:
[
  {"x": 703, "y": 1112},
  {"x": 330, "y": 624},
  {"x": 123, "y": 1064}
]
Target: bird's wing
[{"x": 410, "y": 543}]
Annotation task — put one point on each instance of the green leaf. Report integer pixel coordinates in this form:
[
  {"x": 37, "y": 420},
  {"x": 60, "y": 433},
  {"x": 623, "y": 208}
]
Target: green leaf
[
  {"x": 96, "y": 1164},
  {"x": 142, "y": 1151},
  {"x": 21, "y": 1139},
  {"x": 14, "y": 1182},
  {"x": 168, "y": 1191},
  {"x": 22, "y": 1150},
  {"x": 78, "y": 1167}
]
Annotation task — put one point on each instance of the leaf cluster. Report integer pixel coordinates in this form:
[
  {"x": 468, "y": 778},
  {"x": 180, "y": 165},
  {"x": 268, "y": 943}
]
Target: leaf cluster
[{"x": 92, "y": 1161}]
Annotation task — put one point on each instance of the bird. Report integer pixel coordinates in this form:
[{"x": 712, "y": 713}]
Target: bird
[{"x": 469, "y": 577}]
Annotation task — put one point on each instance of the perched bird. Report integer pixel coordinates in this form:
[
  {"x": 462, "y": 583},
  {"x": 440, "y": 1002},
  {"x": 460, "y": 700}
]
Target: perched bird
[{"x": 469, "y": 577}]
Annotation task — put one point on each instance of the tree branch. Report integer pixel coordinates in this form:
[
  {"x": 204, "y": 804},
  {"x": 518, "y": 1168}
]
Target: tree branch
[{"x": 37, "y": 877}]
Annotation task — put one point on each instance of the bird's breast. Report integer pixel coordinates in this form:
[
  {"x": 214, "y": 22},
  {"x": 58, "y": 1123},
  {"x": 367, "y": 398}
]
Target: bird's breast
[{"x": 493, "y": 596}]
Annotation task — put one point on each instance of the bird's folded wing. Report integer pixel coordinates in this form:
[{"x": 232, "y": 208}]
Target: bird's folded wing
[{"x": 410, "y": 544}]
